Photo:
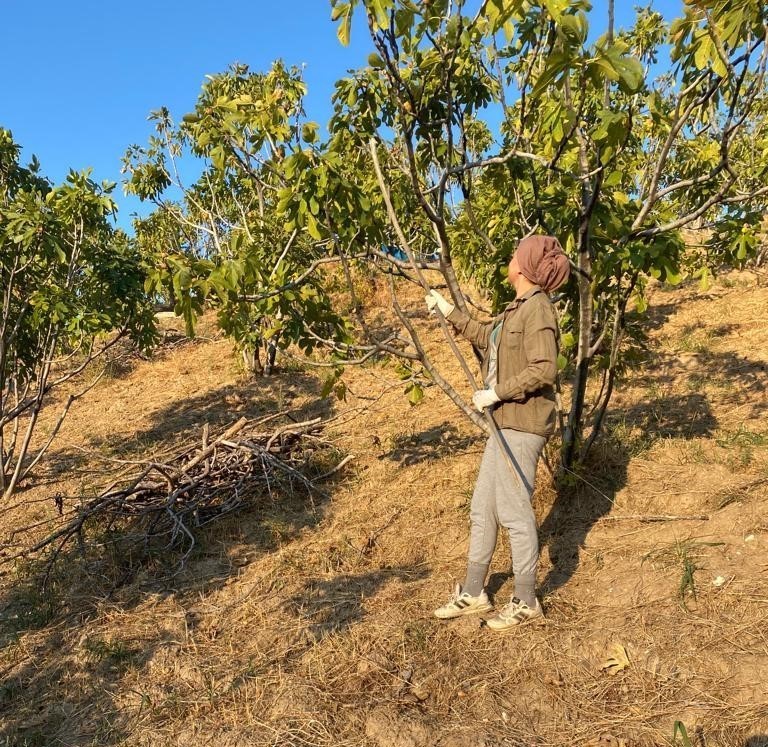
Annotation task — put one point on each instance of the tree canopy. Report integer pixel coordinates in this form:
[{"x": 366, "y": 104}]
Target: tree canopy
[
  {"x": 472, "y": 125},
  {"x": 71, "y": 287}
]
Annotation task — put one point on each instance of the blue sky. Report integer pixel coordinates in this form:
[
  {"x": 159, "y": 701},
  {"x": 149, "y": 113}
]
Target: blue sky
[{"x": 81, "y": 77}]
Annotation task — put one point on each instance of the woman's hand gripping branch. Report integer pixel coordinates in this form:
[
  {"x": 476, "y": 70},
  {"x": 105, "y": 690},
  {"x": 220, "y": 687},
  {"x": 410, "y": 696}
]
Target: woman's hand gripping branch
[{"x": 482, "y": 398}]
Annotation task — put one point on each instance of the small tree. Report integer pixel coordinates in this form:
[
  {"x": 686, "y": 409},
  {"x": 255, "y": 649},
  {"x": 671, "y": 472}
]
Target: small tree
[
  {"x": 222, "y": 239},
  {"x": 72, "y": 286}
]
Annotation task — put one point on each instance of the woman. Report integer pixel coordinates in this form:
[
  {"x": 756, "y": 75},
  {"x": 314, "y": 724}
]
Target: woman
[{"x": 519, "y": 349}]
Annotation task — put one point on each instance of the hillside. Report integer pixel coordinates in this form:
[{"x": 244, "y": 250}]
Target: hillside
[{"x": 310, "y": 624}]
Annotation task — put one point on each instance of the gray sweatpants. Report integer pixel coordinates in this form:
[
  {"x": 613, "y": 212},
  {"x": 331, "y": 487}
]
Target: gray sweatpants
[{"x": 500, "y": 500}]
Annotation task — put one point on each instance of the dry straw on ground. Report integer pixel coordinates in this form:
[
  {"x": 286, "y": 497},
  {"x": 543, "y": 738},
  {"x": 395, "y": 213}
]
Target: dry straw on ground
[{"x": 301, "y": 625}]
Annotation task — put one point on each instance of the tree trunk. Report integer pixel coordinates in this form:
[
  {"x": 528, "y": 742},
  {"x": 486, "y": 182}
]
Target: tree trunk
[
  {"x": 573, "y": 430},
  {"x": 271, "y": 354},
  {"x": 2, "y": 460},
  {"x": 252, "y": 361}
]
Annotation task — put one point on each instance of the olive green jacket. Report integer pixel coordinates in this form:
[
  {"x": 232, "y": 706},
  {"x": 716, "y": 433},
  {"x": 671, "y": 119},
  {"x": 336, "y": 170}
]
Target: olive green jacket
[{"x": 527, "y": 361}]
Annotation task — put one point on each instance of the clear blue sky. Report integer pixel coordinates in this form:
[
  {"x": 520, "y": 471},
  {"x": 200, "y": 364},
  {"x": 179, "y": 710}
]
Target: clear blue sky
[{"x": 80, "y": 77}]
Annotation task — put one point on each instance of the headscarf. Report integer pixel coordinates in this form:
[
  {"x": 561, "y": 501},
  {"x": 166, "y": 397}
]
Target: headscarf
[{"x": 542, "y": 260}]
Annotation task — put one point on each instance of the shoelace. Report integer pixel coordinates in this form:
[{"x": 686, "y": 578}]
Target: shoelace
[
  {"x": 455, "y": 596},
  {"x": 513, "y": 608}
]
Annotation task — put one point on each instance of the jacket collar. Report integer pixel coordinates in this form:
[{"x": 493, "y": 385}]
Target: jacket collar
[{"x": 522, "y": 299}]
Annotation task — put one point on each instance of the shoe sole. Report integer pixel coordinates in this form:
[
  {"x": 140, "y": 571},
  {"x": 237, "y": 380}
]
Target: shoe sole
[{"x": 462, "y": 613}]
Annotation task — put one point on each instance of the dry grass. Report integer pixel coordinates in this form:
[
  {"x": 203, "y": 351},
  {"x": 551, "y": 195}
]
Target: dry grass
[{"x": 294, "y": 626}]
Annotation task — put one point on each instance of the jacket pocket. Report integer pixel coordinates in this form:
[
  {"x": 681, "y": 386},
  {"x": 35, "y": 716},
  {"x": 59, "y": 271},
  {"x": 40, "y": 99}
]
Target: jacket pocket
[{"x": 511, "y": 347}]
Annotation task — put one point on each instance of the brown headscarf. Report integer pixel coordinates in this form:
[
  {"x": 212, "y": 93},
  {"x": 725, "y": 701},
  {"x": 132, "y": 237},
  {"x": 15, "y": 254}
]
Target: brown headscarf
[{"x": 542, "y": 260}]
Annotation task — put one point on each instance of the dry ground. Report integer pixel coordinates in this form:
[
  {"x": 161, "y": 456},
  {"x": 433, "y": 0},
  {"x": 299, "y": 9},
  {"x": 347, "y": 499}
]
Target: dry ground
[{"x": 300, "y": 625}]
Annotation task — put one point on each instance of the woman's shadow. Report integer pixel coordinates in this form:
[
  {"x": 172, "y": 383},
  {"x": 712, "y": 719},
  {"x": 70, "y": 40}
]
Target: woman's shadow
[
  {"x": 582, "y": 499},
  {"x": 578, "y": 506},
  {"x": 587, "y": 494}
]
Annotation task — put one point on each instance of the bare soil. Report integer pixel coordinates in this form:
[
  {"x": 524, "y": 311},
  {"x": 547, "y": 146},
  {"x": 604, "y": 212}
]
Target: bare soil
[{"x": 310, "y": 624}]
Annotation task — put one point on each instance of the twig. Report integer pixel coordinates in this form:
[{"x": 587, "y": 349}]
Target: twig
[
  {"x": 655, "y": 517},
  {"x": 339, "y": 466}
]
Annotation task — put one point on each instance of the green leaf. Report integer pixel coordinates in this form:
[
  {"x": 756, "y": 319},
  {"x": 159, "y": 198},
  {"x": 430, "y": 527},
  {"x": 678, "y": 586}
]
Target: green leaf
[
  {"x": 339, "y": 10},
  {"x": 556, "y": 8},
  {"x": 312, "y": 227},
  {"x": 218, "y": 159},
  {"x": 624, "y": 69},
  {"x": 330, "y": 382},
  {"x": 381, "y": 17},
  {"x": 568, "y": 340},
  {"x": 415, "y": 394},
  {"x": 375, "y": 61},
  {"x": 309, "y": 132},
  {"x": 403, "y": 20},
  {"x": 704, "y": 279},
  {"x": 705, "y": 52},
  {"x": 741, "y": 248},
  {"x": 575, "y": 27},
  {"x": 272, "y": 331},
  {"x": 345, "y": 27},
  {"x": 679, "y": 727},
  {"x": 558, "y": 63},
  {"x": 621, "y": 198}
]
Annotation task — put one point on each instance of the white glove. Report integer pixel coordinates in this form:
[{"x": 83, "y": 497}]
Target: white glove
[
  {"x": 435, "y": 299},
  {"x": 483, "y": 398}
]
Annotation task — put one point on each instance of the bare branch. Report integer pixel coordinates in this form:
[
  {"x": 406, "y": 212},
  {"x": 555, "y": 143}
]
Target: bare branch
[{"x": 296, "y": 282}]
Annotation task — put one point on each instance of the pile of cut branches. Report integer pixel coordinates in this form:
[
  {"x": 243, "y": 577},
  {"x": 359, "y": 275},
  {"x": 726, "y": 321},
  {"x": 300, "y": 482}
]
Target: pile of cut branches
[{"x": 168, "y": 500}]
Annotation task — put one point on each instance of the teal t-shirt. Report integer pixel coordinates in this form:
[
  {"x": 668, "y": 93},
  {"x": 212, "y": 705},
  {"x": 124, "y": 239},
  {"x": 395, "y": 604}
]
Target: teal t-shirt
[{"x": 491, "y": 378}]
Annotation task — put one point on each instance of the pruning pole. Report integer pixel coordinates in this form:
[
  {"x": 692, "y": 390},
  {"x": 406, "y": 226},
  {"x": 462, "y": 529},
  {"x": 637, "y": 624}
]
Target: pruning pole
[{"x": 514, "y": 468}]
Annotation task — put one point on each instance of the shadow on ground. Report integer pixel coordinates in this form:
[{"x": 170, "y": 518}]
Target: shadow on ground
[
  {"x": 435, "y": 443},
  {"x": 51, "y": 670},
  {"x": 331, "y": 605},
  {"x": 58, "y": 675},
  {"x": 684, "y": 416},
  {"x": 587, "y": 494},
  {"x": 178, "y": 421}
]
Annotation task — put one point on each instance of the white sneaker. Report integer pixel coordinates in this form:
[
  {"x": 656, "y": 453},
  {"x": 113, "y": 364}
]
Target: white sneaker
[
  {"x": 463, "y": 604},
  {"x": 515, "y": 613}
]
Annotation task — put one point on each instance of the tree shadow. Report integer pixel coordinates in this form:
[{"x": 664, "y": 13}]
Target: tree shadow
[
  {"x": 578, "y": 506},
  {"x": 741, "y": 380},
  {"x": 176, "y": 421},
  {"x": 587, "y": 494},
  {"x": 40, "y": 702},
  {"x": 684, "y": 416},
  {"x": 757, "y": 740},
  {"x": 658, "y": 314},
  {"x": 730, "y": 378},
  {"x": 332, "y": 605},
  {"x": 59, "y": 688},
  {"x": 434, "y": 443}
]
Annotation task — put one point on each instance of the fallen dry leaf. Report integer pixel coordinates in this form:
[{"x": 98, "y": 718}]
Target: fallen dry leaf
[{"x": 617, "y": 661}]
